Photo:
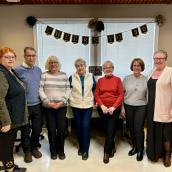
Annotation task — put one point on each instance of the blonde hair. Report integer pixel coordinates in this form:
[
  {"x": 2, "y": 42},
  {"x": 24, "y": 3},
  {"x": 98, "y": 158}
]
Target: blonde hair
[
  {"x": 54, "y": 59},
  {"x": 162, "y": 52}
]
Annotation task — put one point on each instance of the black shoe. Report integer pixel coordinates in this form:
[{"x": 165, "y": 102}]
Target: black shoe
[
  {"x": 139, "y": 156},
  {"x": 19, "y": 169},
  {"x": 85, "y": 156},
  {"x": 106, "y": 158},
  {"x": 53, "y": 156},
  {"x": 111, "y": 155},
  {"x": 132, "y": 152},
  {"x": 79, "y": 152},
  {"x": 62, "y": 156}
]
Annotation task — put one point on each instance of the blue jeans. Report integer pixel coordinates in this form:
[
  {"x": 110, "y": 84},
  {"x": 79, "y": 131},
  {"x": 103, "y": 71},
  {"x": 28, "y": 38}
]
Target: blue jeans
[{"x": 82, "y": 118}]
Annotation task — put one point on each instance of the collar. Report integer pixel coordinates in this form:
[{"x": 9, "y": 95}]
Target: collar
[{"x": 26, "y": 66}]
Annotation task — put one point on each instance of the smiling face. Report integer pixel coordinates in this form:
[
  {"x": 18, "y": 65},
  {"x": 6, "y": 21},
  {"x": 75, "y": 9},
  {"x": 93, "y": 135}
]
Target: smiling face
[
  {"x": 137, "y": 68},
  {"x": 53, "y": 66},
  {"x": 108, "y": 68},
  {"x": 30, "y": 57},
  {"x": 80, "y": 69},
  {"x": 8, "y": 60},
  {"x": 160, "y": 60}
]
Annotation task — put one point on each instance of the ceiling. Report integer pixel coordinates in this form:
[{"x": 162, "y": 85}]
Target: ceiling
[{"x": 22, "y": 2}]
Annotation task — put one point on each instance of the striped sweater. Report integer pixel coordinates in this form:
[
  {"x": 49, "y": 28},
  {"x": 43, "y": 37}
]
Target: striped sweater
[{"x": 54, "y": 88}]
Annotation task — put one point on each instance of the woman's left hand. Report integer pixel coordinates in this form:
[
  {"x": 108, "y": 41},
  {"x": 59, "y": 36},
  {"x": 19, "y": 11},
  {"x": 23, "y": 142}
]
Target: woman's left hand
[
  {"x": 6, "y": 128},
  {"x": 111, "y": 110}
]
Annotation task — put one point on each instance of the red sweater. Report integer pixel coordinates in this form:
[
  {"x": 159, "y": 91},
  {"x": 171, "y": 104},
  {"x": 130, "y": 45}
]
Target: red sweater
[{"x": 109, "y": 91}]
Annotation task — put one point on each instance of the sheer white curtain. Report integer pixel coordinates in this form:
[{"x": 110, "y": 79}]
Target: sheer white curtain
[
  {"x": 122, "y": 53},
  {"x": 67, "y": 52}
]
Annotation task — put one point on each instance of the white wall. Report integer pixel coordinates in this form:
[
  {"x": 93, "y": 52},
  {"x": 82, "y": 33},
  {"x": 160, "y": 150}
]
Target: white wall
[{"x": 15, "y": 33}]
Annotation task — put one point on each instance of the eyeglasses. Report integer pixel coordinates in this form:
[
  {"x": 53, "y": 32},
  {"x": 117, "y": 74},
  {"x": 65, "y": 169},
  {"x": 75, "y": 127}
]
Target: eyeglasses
[
  {"x": 30, "y": 55},
  {"x": 52, "y": 62},
  {"x": 9, "y": 57},
  {"x": 136, "y": 66},
  {"x": 108, "y": 68},
  {"x": 159, "y": 59}
]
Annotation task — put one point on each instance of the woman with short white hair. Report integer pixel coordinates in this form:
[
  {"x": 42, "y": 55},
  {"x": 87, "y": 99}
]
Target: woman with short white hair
[
  {"x": 109, "y": 96},
  {"x": 54, "y": 93}
]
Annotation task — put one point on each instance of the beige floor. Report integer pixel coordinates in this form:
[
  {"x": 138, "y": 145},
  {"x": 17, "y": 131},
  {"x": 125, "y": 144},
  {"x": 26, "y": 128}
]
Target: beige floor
[{"x": 121, "y": 162}]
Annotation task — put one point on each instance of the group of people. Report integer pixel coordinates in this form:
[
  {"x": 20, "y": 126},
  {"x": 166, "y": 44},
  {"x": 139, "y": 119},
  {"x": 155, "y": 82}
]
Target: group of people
[{"x": 26, "y": 94}]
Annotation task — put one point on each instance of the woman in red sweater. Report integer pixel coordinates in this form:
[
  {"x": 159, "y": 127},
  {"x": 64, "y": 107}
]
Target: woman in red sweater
[{"x": 109, "y": 96}]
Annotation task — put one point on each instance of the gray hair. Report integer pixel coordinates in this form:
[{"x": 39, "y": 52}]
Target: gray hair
[
  {"x": 163, "y": 52},
  {"x": 54, "y": 59},
  {"x": 110, "y": 62},
  {"x": 80, "y": 61}
]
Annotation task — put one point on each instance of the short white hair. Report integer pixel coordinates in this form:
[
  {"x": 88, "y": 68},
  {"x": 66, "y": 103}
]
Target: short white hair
[{"x": 80, "y": 61}]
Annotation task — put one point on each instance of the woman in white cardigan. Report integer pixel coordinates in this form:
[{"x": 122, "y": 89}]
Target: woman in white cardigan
[{"x": 159, "y": 115}]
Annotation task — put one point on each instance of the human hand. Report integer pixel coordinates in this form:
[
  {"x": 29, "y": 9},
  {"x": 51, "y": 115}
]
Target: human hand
[
  {"x": 123, "y": 112},
  {"x": 58, "y": 105},
  {"x": 51, "y": 104},
  {"x": 111, "y": 110},
  {"x": 104, "y": 109},
  {"x": 6, "y": 128}
]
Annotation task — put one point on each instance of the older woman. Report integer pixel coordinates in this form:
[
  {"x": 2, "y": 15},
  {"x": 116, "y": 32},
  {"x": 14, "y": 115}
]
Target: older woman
[
  {"x": 135, "y": 91},
  {"x": 109, "y": 96},
  {"x": 81, "y": 100},
  {"x": 54, "y": 92},
  {"x": 159, "y": 114},
  {"x": 13, "y": 111}
]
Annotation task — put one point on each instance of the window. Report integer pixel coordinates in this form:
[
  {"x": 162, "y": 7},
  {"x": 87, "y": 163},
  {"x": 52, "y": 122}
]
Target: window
[
  {"x": 67, "y": 52},
  {"x": 120, "y": 53}
]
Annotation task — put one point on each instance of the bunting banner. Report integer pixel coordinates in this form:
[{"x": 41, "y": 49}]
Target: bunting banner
[
  {"x": 135, "y": 32},
  {"x": 85, "y": 40},
  {"x": 111, "y": 38},
  {"x": 118, "y": 37},
  {"x": 75, "y": 39},
  {"x": 144, "y": 28},
  {"x": 95, "y": 40},
  {"x": 49, "y": 30},
  {"x": 66, "y": 37},
  {"x": 57, "y": 34}
]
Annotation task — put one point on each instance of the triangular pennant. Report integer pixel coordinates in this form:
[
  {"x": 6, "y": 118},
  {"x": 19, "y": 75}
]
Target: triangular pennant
[
  {"x": 66, "y": 37},
  {"x": 49, "y": 30},
  {"x": 95, "y": 40},
  {"x": 57, "y": 34},
  {"x": 75, "y": 39},
  {"x": 144, "y": 28},
  {"x": 110, "y": 39},
  {"x": 119, "y": 37},
  {"x": 135, "y": 32},
  {"x": 85, "y": 40}
]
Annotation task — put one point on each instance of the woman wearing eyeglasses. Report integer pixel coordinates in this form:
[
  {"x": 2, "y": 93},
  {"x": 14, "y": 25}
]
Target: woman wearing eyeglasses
[
  {"x": 159, "y": 113},
  {"x": 135, "y": 92},
  {"x": 13, "y": 109},
  {"x": 54, "y": 93},
  {"x": 109, "y": 97}
]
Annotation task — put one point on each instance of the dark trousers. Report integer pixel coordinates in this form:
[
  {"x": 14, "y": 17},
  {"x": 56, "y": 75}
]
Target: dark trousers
[
  {"x": 34, "y": 127},
  {"x": 136, "y": 117},
  {"x": 82, "y": 118},
  {"x": 56, "y": 125},
  {"x": 110, "y": 125},
  {"x": 6, "y": 148}
]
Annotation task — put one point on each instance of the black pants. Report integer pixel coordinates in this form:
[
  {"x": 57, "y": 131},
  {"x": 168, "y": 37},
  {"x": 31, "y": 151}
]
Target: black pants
[
  {"x": 110, "y": 125},
  {"x": 34, "y": 127},
  {"x": 56, "y": 125},
  {"x": 136, "y": 117},
  {"x": 6, "y": 148}
]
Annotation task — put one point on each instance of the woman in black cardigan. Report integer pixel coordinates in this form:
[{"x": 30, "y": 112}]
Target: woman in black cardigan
[{"x": 13, "y": 111}]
